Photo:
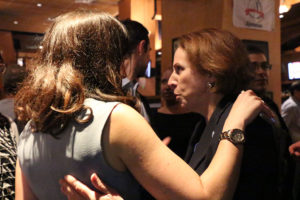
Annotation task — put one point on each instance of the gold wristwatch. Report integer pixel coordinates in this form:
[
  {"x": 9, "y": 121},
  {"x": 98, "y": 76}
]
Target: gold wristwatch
[{"x": 236, "y": 136}]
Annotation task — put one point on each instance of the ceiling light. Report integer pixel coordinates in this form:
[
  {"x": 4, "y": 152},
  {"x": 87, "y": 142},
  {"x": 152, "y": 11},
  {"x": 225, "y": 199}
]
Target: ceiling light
[
  {"x": 85, "y": 1},
  {"x": 16, "y": 22},
  {"x": 39, "y": 5},
  {"x": 281, "y": 16},
  {"x": 284, "y": 8}
]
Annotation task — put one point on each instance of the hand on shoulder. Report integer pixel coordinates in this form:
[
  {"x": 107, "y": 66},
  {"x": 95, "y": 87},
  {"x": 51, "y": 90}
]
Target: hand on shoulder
[
  {"x": 246, "y": 107},
  {"x": 295, "y": 149}
]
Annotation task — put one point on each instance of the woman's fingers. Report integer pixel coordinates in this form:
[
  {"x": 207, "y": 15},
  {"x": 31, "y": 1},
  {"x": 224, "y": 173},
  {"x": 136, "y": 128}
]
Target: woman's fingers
[
  {"x": 97, "y": 183},
  {"x": 246, "y": 107},
  {"x": 69, "y": 191},
  {"x": 76, "y": 190},
  {"x": 111, "y": 194}
]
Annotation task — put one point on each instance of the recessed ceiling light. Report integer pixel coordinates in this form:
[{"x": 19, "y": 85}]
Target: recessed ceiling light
[
  {"x": 85, "y": 1},
  {"x": 39, "y": 5},
  {"x": 16, "y": 22}
]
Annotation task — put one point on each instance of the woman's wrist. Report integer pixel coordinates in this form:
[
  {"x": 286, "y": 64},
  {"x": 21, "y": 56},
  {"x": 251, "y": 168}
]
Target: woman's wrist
[
  {"x": 233, "y": 125},
  {"x": 235, "y": 136}
]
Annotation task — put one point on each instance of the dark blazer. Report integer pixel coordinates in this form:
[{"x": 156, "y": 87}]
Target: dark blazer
[
  {"x": 286, "y": 162},
  {"x": 259, "y": 170}
]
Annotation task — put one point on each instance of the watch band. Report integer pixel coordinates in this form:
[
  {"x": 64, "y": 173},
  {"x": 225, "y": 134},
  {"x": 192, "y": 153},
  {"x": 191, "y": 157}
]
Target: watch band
[{"x": 235, "y": 136}]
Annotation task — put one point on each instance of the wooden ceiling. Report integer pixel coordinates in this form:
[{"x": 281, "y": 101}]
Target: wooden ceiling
[
  {"x": 290, "y": 29},
  {"x": 25, "y": 16},
  {"x": 28, "y": 16}
]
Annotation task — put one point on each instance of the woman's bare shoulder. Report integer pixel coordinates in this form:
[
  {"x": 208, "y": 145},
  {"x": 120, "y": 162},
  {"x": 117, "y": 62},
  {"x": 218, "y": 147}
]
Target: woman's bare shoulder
[
  {"x": 128, "y": 122},
  {"x": 124, "y": 113}
]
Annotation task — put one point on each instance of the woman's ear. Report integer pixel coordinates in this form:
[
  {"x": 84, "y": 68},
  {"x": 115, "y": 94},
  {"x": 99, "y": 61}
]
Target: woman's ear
[
  {"x": 125, "y": 68},
  {"x": 141, "y": 47},
  {"x": 211, "y": 81}
]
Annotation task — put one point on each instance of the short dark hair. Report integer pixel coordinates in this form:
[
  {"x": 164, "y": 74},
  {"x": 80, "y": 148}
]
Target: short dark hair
[
  {"x": 13, "y": 76},
  {"x": 295, "y": 86},
  {"x": 136, "y": 33},
  {"x": 251, "y": 49}
]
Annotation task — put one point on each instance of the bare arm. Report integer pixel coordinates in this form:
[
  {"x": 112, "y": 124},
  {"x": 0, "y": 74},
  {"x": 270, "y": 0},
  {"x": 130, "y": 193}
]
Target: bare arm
[
  {"x": 148, "y": 158},
  {"x": 221, "y": 182},
  {"x": 23, "y": 190}
]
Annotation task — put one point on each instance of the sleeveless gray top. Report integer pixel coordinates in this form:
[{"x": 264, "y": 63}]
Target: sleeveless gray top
[{"x": 78, "y": 151}]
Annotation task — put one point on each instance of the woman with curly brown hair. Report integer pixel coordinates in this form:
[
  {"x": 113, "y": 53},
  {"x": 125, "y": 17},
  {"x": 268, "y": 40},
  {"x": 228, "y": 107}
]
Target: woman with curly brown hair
[{"x": 79, "y": 123}]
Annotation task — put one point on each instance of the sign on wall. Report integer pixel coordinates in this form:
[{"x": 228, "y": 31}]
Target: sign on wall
[{"x": 254, "y": 14}]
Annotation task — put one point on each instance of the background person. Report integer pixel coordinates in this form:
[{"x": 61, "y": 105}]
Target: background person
[
  {"x": 79, "y": 126},
  {"x": 2, "y": 68},
  {"x": 135, "y": 64},
  {"x": 171, "y": 120},
  {"x": 12, "y": 77},
  {"x": 290, "y": 110},
  {"x": 8, "y": 156},
  {"x": 261, "y": 68}
]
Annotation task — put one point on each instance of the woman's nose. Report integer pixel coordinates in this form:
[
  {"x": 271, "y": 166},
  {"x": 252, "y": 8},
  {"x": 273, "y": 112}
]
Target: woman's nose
[{"x": 172, "y": 83}]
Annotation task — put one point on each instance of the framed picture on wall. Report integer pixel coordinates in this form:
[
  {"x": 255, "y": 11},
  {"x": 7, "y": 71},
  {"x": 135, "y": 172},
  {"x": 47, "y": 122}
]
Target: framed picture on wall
[
  {"x": 263, "y": 45},
  {"x": 175, "y": 43}
]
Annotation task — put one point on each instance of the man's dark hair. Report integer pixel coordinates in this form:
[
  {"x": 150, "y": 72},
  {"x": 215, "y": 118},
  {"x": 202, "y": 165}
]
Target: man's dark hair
[
  {"x": 254, "y": 50},
  {"x": 295, "y": 86},
  {"x": 4, "y": 122},
  {"x": 13, "y": 76},
  {"x": 136, "y": 32}
]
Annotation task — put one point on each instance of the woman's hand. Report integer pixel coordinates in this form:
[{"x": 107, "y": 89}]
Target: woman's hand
[
  {"x": 295, "y": 149},
  {"x": 75, "y": 190},
  {"x": 246, "y": 107}
]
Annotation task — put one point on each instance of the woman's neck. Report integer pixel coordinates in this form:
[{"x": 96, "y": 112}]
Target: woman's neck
[{"x": 211, "y": 105}]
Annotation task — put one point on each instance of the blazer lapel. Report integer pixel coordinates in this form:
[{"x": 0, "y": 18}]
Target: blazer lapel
[
  {"x": 201, "y": 147},
  {"x": 199, "y": 129},
  {"x": 210, "y": 133}
]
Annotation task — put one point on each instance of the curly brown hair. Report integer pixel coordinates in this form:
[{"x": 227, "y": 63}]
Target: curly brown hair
[
  {"x": 81, "y": 58},
  {"x": 221, "y": 54}
]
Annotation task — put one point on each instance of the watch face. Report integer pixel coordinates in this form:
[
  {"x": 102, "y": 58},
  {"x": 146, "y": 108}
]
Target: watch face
[{"x": 237, "y": 136}]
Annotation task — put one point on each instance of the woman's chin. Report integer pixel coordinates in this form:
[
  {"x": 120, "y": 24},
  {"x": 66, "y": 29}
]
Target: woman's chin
[{"x": 183, "y": 104}]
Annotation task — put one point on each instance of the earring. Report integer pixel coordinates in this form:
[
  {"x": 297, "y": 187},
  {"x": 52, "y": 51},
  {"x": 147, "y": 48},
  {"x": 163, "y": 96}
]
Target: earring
[{"x": 210, "y": 85}]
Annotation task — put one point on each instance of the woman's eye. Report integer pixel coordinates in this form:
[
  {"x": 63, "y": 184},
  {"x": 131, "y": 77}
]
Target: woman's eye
[{"x": 178, "y": 69}]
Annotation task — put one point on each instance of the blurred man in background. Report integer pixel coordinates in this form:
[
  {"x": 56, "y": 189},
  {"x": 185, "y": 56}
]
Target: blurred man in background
[{"x": 134, "y": 66}]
